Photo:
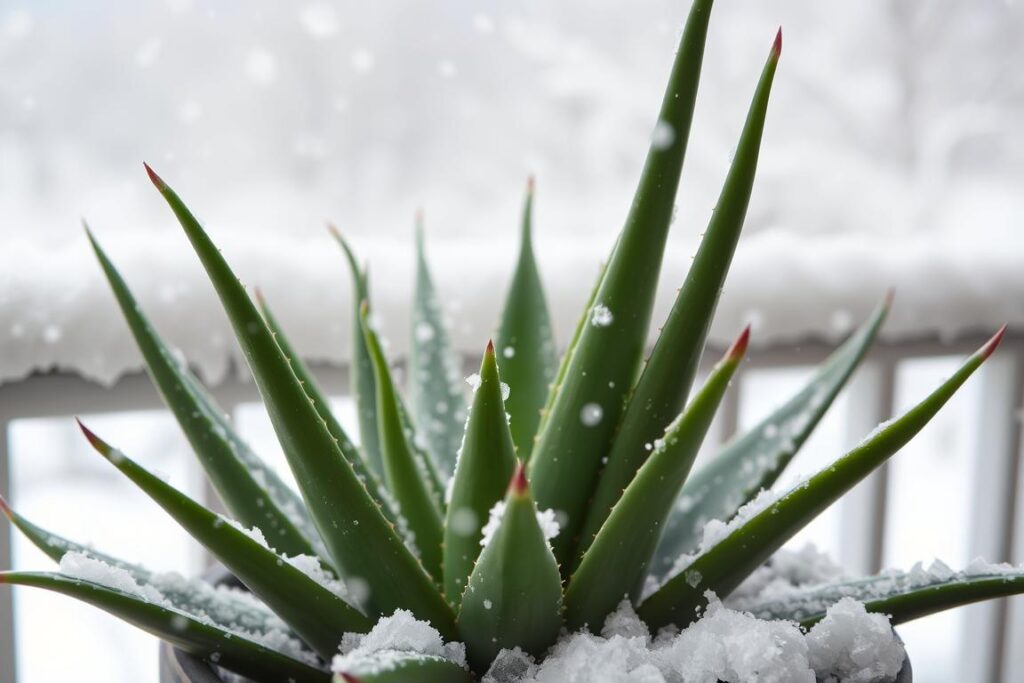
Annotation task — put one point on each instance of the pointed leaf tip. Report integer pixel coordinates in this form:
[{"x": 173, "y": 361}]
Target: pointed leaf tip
[
  {"x": 739, "y": 347},
  {"x": 777, "y": 45},
  {"x": 96, "y": 442},
  {"x": 349, "y": 678},
  {"x": 333, "y": 229},
  {"x": 993, "y": 343},
  {"x": 489, "y": 351},
  {"x": 519, "y": 484},
  {"x": 531, "y": 184},
  {"x": 890, "y": 294},
  {"x": 5, "y": 507},
  {"x": 154, "y": 178}
]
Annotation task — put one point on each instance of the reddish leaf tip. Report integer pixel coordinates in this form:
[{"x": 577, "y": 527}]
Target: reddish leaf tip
[
  {"x": 992, "y": 344},
  {"x": 489, "y": 351},
  {"x": 333, "y": 229},
  {"x": 739, "y": 347},
  {"x": 777, "y": 45},
  {"x": 349, "y": 678},
  {"x": 258, "y": 294},
  {"x": 531, "y": 183},
  {"x": 890, "y": 294},
  {"x": 519, "y": 483},
  {"x": 5, "y": 508},
  {"x": 95, "y": 441},
  {"x": 154, "y": 178}
]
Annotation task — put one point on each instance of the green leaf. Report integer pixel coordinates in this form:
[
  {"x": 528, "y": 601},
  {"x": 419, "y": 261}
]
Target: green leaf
[
  {"x": 323, "y": 408},
  {"x": 406, "y": 474},
  {"x": 316, "y": 614},
  {"x": 604, "y": 364},
  {"x": 403, "y": 667},
  {"x": 251, "y": 491},
  {"x": 482, "y": 473},
  {"x": 232, "y": 650},
  {"x": 755, "y": 460},
  {"x": 762, "y": 529},
  {"x": 514, "y": 597},
  {"x": 664, "y": 385},
  {"x": 229, "y": 607},
  {"x": 361, "y": 541},
  {"x": 616, "y": 563},
  {"x": 902, "y": 596},
  {"x": 437, "y": 403},
  {"x": 563, "y": 365},
  {"x": 361, "y": 369},
  {"x": 525, "y": 341}
]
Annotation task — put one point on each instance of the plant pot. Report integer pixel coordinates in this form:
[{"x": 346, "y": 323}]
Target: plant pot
[{"x": 180, "y": 667}]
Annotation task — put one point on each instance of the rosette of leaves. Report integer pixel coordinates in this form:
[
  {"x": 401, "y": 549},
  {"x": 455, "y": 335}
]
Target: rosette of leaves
[{"x": 603, "y": 436}]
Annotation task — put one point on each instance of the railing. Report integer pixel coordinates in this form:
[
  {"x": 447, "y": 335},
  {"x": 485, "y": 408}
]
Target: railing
[{"x": 994, "y": 501}]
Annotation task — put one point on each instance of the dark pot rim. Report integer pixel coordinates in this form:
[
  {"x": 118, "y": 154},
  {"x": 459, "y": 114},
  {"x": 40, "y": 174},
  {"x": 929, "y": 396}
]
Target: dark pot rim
[{"x": 177, "y": 666}]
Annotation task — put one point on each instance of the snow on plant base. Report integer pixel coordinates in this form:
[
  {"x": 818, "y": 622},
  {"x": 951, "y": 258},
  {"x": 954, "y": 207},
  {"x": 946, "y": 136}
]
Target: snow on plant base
[{"x": 723, "y": 645}]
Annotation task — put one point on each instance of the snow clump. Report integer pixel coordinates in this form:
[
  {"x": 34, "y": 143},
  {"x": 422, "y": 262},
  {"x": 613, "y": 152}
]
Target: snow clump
[
  {"x": 399, "y": 633},
  {"x": 547, "y": 519},
  {"x": 723, "y": 645}
]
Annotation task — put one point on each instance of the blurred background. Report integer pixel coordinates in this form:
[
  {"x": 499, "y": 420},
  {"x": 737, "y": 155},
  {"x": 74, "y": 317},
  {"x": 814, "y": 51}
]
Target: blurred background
[{"x": 891, "y": 159}]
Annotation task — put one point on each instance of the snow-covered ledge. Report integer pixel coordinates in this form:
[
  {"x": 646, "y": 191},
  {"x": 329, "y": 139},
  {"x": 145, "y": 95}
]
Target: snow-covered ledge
[{"x": 56, "y": 311}]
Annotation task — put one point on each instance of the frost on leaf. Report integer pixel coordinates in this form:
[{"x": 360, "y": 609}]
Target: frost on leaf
[
  {"x": 591, "y": 414},
  {"x": 601, "y": 316},
  {"x": 547, "y": 519}
]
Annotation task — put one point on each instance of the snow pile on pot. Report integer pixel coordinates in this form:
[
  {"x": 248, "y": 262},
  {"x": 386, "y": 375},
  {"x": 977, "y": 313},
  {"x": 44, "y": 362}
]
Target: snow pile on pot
[{"x": 848, "y": 645}]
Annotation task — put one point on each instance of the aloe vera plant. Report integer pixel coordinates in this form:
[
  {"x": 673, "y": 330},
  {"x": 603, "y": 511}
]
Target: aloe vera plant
[{"x": 536, "y": 506}]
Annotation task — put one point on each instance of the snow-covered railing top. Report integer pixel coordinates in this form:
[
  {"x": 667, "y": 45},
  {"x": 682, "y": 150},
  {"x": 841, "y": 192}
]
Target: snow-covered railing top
[
  {"x": 904, "y": 171},
  {"x": 56, "y": 311}
]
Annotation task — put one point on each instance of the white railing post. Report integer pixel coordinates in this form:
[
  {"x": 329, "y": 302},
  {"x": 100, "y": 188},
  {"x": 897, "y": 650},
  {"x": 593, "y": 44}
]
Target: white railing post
[
  {"x": 869, "y": 401},
  {"x": 7, "y": 661},
  {"x": 996, "y": 446},
  {"x": 1011, "y": 614}
]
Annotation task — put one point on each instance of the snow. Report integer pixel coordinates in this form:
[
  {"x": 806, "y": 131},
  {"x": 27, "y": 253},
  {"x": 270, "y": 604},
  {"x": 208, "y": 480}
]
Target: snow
[
  {"x": 311, "y": 567},
  {"x": 928, "y": 219},
  {"x": 474, "y": 382},
  {"x": 261, "y": 66},
  {"x": 463, "y": 521},
  {"x": 601, "y": 316},
  {"x": 400, "y": 632},
  {"x": 254, "y": 533},
  {"x": 547, "y": 519},
  {"x": 80, "y": 566},
  {"x": 783, "y": 586},
  {"x": 854, "y": 646},
  {"x": 229, "y": 609},
  {"x": 785, "y": 570},
  {"x": 715, "y": 530},
  {"x": 723, "y": 645},
  {"x": 591, "y": 414},
  {"x": 319, "y": 20},
  {"x": 663, "y": 135}
]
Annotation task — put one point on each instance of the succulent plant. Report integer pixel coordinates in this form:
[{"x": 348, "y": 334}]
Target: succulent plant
[{"x": 603, "y": 441}]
